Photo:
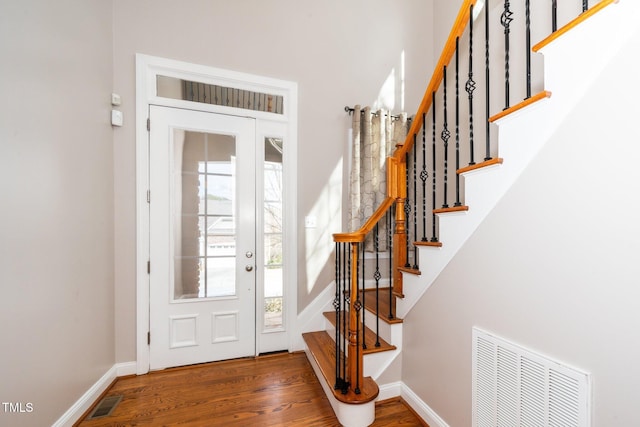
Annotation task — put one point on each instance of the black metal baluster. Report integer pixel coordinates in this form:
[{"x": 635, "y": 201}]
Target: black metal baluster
[
  {"x": 487, "y": 84},
  {"x": 433, "y": 176},
  {"x": 415, "y": 202},
  {"x": 457, "y": 202},
  {"x": 470, "y": 86},
  {"x": 528, "y": 45},
  {"x": 444, "y": 136},
  {"x": 336, "y": 306},
  {"x": 585, "y": 5},
  {"x": 377, "y": 276},
  {"x": 505, "y": 19},
  {"x": 554, "y": 15},
  {"x": 423, "y": 176},
  {"x": 390, "y": 216},
  {"x": 407, "y": 207}
]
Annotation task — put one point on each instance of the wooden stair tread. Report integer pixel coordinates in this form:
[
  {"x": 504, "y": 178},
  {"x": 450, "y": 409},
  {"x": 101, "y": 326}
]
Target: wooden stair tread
[
  {"x": 519, "y": 106},
  {"x": 369, "y": 337},
  {"x": 410, "y": 270},
  {"x": 323, "y": 349},
  {"x": 485, "y": 164},
  {"x": 370, "y": 304},
  {"x": 451, "y": 209}
]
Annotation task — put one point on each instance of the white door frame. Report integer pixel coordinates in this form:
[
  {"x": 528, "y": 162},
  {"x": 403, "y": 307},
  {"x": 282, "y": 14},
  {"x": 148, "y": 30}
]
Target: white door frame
[{"x": 147, "y": 70}]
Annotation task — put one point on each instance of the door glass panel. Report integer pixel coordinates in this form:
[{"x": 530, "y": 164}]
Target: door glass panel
[
  {"x": 272, "y": 214},
  {"x": 203, "y": 216}
]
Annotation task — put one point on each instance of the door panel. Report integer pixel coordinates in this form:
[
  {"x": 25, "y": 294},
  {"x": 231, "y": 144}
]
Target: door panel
[{"x": 202, "y": 237}]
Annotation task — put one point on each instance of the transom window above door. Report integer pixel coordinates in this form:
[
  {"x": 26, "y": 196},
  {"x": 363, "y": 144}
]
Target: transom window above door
[{"x": 186, "y": 90}]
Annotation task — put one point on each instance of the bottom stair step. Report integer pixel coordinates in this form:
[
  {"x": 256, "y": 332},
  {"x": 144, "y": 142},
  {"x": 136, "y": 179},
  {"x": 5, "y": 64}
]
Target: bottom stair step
[
  {"x": 323, "y": 350},
  {"x": 352, "y": 410}
]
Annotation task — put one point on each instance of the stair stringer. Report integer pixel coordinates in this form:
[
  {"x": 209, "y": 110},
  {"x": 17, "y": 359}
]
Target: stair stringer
[
  {"x": 572, "y": 63},
  {"x": 483, "y": 189}
]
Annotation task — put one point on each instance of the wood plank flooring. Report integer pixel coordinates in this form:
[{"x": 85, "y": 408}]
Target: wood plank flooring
[{"x": 277, "y": 390}]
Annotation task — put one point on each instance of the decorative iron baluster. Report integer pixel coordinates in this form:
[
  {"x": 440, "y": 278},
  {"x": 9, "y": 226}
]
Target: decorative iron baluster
[
  {"x": 444, "y": 136},
  {"x": 505, "y": 19},
  {"x": 457, "y": 202},
  {"x": 415, "y": 202},
  {"x": 407, "y": 206},
  {"x": 433, "y": 176},
  {"x": 377, "y": 276},
  {"x": 470, "y": 86},
  {"x": 423, "y": 177},
  {"x": 585, "y": 5},
  {"x": 528, "y": 45},
  {"x": 364, "y": 344},
  {"x": 337, "y": 307},
  {"x": 487, "y": 84},
  {"x": 554, "y": 15},
  {"x": 390, "y": 215}
]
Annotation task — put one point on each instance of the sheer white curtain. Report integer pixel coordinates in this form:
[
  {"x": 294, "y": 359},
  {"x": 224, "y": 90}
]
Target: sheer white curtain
[{"x": 374, "y": 137}]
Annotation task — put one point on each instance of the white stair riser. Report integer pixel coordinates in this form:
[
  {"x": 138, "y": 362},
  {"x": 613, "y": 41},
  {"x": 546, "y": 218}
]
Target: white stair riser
[
  {"x": 361, "y": 415},
  {"x": 390, "y": 332},
  {"x": 375, "y": 363}
]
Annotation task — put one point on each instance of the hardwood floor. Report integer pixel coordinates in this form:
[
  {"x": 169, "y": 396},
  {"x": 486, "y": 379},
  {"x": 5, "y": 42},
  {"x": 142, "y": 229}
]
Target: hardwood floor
[{"x": 276, "y": 390}]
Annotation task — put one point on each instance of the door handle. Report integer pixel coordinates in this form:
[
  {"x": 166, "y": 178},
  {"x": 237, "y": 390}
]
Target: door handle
[{"x": 249, "y": 267}]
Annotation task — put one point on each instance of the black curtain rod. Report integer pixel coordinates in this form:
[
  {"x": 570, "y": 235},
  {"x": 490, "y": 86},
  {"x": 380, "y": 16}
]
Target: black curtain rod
[{"x": 351, "y": 110}]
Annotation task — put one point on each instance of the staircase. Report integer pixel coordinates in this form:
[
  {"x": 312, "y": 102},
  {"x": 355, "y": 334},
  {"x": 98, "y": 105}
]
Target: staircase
[{"x": 363, "y": 335}]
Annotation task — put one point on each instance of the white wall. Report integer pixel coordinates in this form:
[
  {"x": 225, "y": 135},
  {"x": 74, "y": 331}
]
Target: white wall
[
  {"x": 554, "y": 267},
  {"x": 339, "y": 53},
  {"x": 56, "y": 192}
]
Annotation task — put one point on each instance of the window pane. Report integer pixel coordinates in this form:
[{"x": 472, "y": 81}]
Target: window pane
[
  {"x": 272, "y": 313},
  {"x": 272, "y": 217},
  {"x": 221, "y": 277},
  {"x": 174, "y": 88},
  {"x": 188, "y": 278},
  {"x": 273, "y": 281},
  {"x": 272, "y": 227},
  {"x": 272, "y": 249},
  {"x": 203, "y": 225}
]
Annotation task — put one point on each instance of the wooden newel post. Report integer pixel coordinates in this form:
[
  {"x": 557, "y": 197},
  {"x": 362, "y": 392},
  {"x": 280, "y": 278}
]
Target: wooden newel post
[
  {"x": 400, "y": 229},
  {"x": 355, "y": 357}
]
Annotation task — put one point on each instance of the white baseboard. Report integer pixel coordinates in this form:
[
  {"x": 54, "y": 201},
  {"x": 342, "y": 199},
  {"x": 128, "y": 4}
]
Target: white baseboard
[
  {"x": 126, "y": 368},
  {"x": 398, "y": 388},
  {"x": 85, "y": 402},
  {"x": 421, "y": 408},
  {"x": 388, "y": 391}
]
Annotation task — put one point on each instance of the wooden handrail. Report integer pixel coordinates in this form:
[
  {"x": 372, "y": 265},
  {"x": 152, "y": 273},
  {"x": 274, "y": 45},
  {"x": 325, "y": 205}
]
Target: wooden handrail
[
  {"x": 396, "y": 186},
  {"x": 459, "y": 26},
  {"x": 396, "y": 195},
  {"x": 574, "y": 23}
]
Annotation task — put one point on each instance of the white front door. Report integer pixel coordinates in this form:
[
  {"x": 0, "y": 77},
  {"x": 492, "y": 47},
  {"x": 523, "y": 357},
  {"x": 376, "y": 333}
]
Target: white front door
[{"x": 202, "y": 174}]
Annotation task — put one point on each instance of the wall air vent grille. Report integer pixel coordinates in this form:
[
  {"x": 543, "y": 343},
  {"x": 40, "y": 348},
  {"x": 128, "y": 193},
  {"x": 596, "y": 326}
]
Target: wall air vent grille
[{"x": 515, "y": 387}]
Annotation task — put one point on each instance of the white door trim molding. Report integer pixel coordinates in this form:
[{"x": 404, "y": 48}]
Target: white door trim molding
[{"x": 147, "y": 69}]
